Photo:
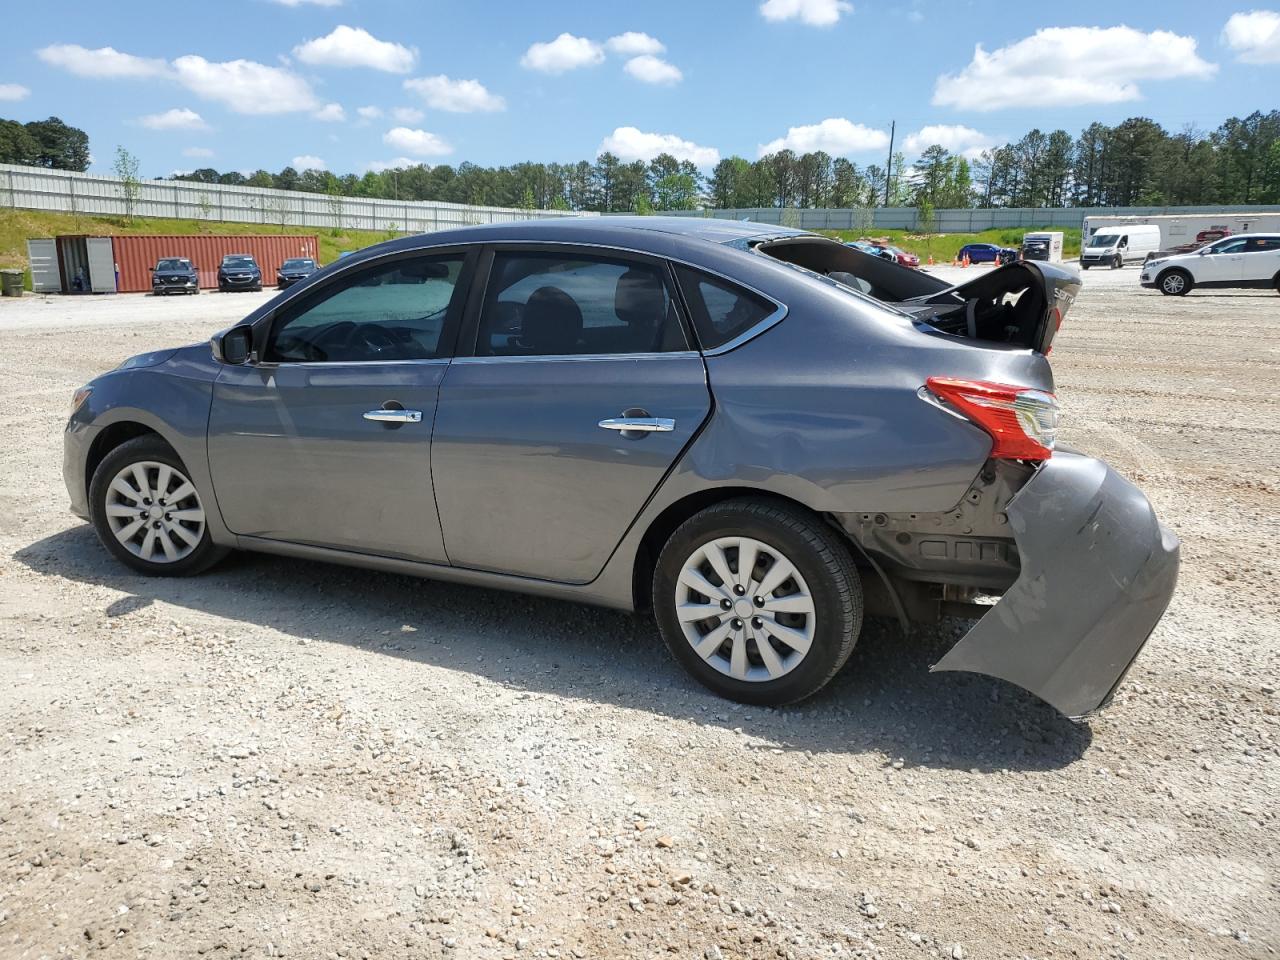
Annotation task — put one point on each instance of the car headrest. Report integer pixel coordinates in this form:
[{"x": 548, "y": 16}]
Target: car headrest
[
  {"x": 552, "y": 322},
  {"x": 640, "y": 300}
]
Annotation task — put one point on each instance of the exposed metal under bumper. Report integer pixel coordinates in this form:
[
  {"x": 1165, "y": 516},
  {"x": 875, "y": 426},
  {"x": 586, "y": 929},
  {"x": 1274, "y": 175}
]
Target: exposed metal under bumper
[{"x": 1098, "y": 571}]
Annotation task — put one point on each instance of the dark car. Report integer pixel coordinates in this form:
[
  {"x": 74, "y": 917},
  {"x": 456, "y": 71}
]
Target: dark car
[
  {"x": 987, "y": 253},
  {"x": 175, "y": 275},
  {"x": 239, "y": 271},
  {"x": 756, "y": 433},
  {"x": 291, "y": 271}
]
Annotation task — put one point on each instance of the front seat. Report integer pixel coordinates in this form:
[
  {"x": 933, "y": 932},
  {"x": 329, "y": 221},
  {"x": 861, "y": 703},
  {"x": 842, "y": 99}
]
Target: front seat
[
  {"x": 552, "y": 323},
  {"x": 640, "y": 302}
]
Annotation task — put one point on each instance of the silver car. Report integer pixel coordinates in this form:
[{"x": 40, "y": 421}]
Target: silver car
[{"x": 756, "y": 433}]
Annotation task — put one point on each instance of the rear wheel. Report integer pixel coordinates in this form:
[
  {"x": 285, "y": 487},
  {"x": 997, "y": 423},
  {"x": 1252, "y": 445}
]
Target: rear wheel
[
  {"x": 148, "y": 513},
  {"x": 760, "y": 601},
  {"x": 1175, "y": 283}
]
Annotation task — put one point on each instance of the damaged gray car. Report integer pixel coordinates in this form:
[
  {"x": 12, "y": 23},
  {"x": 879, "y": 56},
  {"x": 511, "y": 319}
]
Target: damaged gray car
[{"x": 756, "y": 433}]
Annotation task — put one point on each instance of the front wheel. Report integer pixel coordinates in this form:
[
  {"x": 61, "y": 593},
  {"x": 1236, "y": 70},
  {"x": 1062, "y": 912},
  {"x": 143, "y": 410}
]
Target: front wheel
[
  {"x": 148, "y": 513},
  {"x": 1175, "y": 283},
  {"x": 759, "y": 600},
  {"x": 1117, "y": 263}
]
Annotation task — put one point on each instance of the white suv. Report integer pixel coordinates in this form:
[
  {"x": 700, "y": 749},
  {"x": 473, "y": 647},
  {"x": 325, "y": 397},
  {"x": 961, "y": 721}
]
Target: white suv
[{"x": 1247, "y": 260}]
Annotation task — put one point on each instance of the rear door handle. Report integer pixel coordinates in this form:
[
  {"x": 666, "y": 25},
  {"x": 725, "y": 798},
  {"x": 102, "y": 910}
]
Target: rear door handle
[
  {"x": 394, "y": 416},
  {"x": 639, "y": 424}
]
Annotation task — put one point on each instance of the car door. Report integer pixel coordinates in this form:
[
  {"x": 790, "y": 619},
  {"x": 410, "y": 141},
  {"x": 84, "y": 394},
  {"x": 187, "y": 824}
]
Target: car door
[
  {"x": 580, "y": 394},
  {"x": 1260, "y": 260},
  {"x": 325, "y": 437},
  {"x": 1223, "y": 263}
]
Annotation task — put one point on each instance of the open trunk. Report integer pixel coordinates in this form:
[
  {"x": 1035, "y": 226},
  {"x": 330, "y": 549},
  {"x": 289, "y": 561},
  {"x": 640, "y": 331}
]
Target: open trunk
[{"x": 1021, "y": 304}]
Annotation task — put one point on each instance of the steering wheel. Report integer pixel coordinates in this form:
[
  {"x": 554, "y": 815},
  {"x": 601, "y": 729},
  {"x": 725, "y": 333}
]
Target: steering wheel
[{"x": 369, "y": 338}]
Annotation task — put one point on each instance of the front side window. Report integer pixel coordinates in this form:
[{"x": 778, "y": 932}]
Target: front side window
[
  {"x": 1230, "y": 246},
  {"x": 565, "y": 304},
  {"x": 391, "y": 311},
  {"x": 721, "y": 310}
]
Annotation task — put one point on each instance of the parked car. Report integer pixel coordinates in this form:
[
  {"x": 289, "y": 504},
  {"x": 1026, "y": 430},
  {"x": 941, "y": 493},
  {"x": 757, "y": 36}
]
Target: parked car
[
  {"x": 174, "y": 275},
  {"x": 293, "y": 270},
  {"x": 987, "y": 253},
  {"x": 239, "y": 271},
  {"x": 762, "y": 434},
  {"x": 1042, "y": 245},
  {"x": 1115, "y": 246},
  {"x": 1249, "y": 260},
  {"x": 902, "y": 257},
  {"x": 1203, "y": 238}
]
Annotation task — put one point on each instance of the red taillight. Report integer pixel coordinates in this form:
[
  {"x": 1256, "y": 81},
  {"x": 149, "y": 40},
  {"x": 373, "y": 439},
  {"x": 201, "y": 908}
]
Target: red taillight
[{"x": 1023, "y": 422}]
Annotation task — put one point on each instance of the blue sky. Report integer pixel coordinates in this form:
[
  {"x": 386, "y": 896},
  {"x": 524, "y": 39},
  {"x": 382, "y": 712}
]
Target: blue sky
[{"x": 354, "y": 84}]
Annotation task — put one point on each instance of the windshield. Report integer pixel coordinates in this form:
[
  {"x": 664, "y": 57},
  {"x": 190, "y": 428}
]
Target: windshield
[
  {"x": 173, "y": 265},
  {"x": 238, "y": 262},
  {"x": 298, "y": 265},
  {"x": 1104, "y": 239}
]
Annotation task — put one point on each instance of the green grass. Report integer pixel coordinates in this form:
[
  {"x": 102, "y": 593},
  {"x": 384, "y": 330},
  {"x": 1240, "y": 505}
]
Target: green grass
[
  {"x": 943, "y": 246},
  {"x": 18, "y": 226}
]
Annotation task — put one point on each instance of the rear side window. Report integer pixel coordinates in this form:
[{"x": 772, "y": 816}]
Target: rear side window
[
  {"x": 721, "y": 310},
  {"x": 1262, "y": 245},
  {"x": 539, "y": 305}
]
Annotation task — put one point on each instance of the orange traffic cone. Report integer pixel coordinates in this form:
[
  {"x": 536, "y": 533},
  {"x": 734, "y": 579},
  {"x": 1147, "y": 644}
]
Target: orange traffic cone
[
  {"x": 931, "y": 259},
  {"x": 966, "y": 261}
]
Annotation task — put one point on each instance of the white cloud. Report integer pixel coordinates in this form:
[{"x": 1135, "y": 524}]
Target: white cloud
[
  {"x": 197, "y": 152},
  {"x": 653, "y": 70},
  {"x": 628, "y": 143},
  {"x": 565, "y": 52},
  {"x": 634, "y": 44},
  {"x": 331, "y": 113},
  {"x": 102, "y": 62},
  {"x": 835, "y": 135},
  {"x": 420, "y": 143},
  {"x": 244, "y": 86},
  {"x": 307, "y": 162},
  {"x": 455, "y": 96},
  {"x": 1254, "y": 36},
  {"x": 816, "y": 13},
  {"x": 369, "y": 113},
  {"x": 957, "y": 138},
  {"x": 179, "y": 118},
  {"x": 378, "y": 166},
  {"x": 1069, "y": 66},
  {"x": 356, "y": 47},
  {"x": 13, "y": 91}
]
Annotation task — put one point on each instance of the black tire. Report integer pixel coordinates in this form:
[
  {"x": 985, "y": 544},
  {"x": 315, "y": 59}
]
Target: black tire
[
  {"x": 1168, "y": 283},
  {"x": 823, "y": 561},
  {"x": 138, "y": 450},
  {"x": 1084, "y": 266},
  {"x": 1275, "y": 282},
  {"x": 1117, "y": 262}
]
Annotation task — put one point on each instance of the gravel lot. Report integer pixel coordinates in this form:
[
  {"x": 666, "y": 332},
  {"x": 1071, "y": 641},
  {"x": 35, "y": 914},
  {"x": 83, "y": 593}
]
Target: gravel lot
[{"x": 291, "y": 759}]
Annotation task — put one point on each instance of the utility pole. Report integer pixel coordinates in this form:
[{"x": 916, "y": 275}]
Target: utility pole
[{"x": 888, "y": 170}]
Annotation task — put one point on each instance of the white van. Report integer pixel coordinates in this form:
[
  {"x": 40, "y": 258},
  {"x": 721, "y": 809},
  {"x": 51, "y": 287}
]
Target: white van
[
  {"x": 1114, "y": 246},
  {"x": 1249, "y": 260}
]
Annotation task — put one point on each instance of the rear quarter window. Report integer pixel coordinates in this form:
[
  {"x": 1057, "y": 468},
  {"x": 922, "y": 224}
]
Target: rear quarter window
[{"x": 721, "y": 310}]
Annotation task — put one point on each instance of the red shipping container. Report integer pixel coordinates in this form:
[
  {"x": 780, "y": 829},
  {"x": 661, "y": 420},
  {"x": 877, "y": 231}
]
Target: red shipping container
[{"x": 136, "y": 256}]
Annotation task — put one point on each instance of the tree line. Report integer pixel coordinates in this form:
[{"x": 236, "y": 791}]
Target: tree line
[
  {"x": 50, "y": 143},
  {"x": 1136, "y": 162}
]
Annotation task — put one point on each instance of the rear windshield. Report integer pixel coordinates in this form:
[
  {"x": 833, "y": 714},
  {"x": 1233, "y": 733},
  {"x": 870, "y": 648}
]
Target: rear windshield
[
  {"x": 238, "y": 262},
  {"x": 173, "y": 265}
]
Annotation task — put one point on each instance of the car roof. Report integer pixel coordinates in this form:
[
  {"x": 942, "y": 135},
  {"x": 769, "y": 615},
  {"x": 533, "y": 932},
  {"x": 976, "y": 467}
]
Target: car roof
[{"x": 656, "y": 235}]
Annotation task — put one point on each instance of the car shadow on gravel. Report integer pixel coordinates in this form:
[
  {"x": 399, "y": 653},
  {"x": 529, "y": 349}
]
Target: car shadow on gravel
[{"x": 884, "y": 701}]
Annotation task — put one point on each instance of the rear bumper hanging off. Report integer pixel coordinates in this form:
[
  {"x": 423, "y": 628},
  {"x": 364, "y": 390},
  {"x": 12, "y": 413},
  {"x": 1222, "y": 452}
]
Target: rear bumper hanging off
[{"x": 1098, "y": 571}]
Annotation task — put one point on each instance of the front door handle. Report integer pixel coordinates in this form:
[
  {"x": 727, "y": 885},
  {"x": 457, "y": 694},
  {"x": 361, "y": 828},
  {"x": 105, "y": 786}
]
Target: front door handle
[
  {"x": 639, "y": 424},
  {"x": 394, "y": 416}
]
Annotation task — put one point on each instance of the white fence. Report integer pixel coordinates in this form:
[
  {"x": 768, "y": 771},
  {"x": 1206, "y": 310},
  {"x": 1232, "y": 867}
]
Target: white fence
[
  {"x": 35, "y": 188},
  {"x": 962, "y": 220}
]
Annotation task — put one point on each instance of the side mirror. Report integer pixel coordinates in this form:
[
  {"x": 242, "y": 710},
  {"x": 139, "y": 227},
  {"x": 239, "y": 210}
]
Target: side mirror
[
  {"x": 233, "y": 345},
  {"x": 1202, "y": 251}
]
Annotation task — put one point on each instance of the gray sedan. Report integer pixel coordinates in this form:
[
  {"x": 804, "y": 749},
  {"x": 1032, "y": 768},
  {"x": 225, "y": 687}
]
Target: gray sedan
[{"x": 756, "y": 433}]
